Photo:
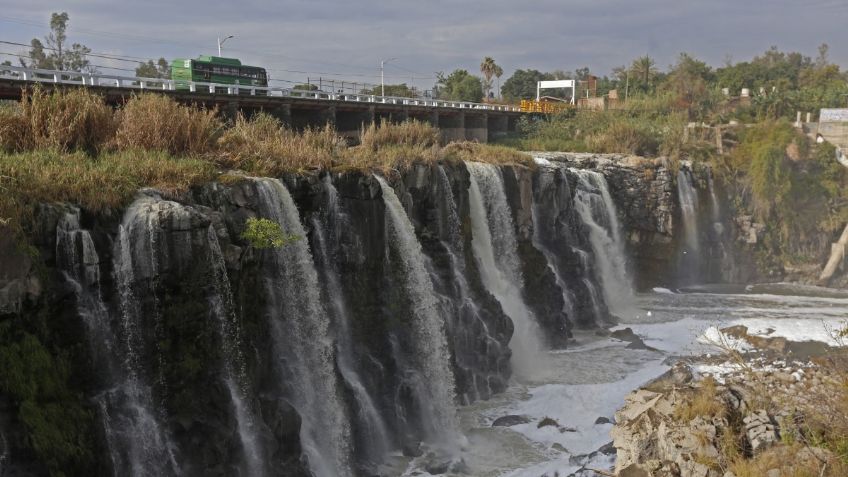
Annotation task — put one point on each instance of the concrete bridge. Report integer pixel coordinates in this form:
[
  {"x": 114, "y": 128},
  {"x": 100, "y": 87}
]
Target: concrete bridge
[{"x": 458, "y": 120}]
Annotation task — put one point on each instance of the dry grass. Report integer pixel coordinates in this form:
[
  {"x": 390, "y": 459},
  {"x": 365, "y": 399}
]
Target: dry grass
[
  {"x": 408, "y": 133},
  {"x": 102, "y": 183},
  {"x": 261, "y": 145},
  {"x": 498, "y": 155},
  {"x": 154, "y": 122},
  {"x": 704, "y": 403},
  {"x": 61, "y": 121},
  {"x": 14, "y": 130},
  {"x": 794, "y": 460}
]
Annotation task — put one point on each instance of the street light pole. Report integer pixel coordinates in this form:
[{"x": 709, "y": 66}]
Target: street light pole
[
  {"x": 221, "y": 42},
  {"x": 382, "y": 76}
]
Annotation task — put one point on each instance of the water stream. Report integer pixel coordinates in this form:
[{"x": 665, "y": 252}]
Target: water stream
[
  {"x": 431, "y": 355},
  {"x": 496, "y": 250},
  {"x": 300, "y": 333},
  {"x": 594, "y": 204}
]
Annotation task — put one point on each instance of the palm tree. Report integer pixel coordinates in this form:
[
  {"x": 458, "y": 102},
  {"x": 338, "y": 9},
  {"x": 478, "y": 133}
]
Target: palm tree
[
  {"x": 487, "y": 67},
  {"x": 644, "y": 68},
  {"x": 498, "y": 74}
]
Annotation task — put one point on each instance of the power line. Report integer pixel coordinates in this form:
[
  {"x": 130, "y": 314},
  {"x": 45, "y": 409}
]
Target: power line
[
  {"x": 90, "y": 64},
  {"x": 138, "y": 38}
]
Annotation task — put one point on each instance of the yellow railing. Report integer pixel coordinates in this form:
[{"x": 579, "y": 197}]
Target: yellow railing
[{"x": 546, "y": 107}]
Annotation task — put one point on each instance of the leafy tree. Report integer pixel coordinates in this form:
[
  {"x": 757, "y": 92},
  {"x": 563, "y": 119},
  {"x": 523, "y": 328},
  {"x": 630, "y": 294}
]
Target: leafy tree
[
  {"x": 54, "y": 53},
  {"x": 460, "y": 85},
  {"x": 306, "y": 87},
  {"x": 522, "y": 84},
  {"x": 400, "y": 90},
  {"x": 160, "y": 69},
  {"x": 488, "y": 67},
  {"x": 644, "y": 70},
  {"x": 688, "y": 82}
]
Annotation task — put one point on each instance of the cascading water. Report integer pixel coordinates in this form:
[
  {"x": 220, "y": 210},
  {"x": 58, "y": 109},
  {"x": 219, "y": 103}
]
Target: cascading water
[
  {"x": 716, "y": 208},
  {"x": 377, "y": 442},
  {"x": 145, "y": 447},
  {"x": 597, "y": 211},
  {"x": 450, "y": 226},
  {"x": 300, "y": 333},
  {"x": 431, "y": 354},
  {"x": 688, "y": 210},
  {"x": 495, "y": 247},
  {"x": 689, "y": 265},
  {"x": 234, "y": 374}
]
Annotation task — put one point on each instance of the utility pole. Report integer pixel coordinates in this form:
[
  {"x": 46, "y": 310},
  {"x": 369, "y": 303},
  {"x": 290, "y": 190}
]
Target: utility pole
[
  {"x": 626, "y": 86},
  {"x": 221, "y": 43},
  {"x": 382, "y": 77}
]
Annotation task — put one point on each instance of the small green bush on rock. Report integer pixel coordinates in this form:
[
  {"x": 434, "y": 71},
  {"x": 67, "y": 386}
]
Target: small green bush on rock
[{"x": 265, "y": 233}]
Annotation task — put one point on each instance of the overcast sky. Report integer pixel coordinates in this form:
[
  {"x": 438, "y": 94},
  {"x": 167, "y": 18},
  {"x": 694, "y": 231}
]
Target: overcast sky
[{"x": 345, "y": 39}]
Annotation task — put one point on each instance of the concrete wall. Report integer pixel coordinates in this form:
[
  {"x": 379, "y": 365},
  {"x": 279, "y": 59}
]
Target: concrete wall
[{"x": 477, "y": 128}]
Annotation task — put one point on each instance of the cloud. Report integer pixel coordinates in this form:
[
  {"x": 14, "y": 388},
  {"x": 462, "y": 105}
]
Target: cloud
[{"x": 348, "y": 39}]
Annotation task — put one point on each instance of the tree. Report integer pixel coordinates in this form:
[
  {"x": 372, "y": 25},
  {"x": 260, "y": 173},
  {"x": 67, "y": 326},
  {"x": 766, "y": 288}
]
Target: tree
[
  {"x": 688, "y": 80},
  {"x": 460, "y": 85},
  {"x": 498, "y": 73},
  {"x": 306, "y": 87},
  {"x": 399, "y": 90},
  {"x": 54, "y": 53},
  {"x": 488, "y": 68},
  {"x": 522, "y": 84},
  {"x": 160, "y": 69},
  {"x": 644, "y": 69}
]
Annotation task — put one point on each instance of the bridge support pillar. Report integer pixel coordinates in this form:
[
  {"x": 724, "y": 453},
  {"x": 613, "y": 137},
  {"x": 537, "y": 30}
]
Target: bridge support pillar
[
  {"x": 329, "y": 115},
  {"x": 231, "y": 110},
  {"x": 350, "y": 123},
  {"x": 498, "y": 126},
  {"x": 283, "y": 113},
  {"x": 477, "y": 127},
  {"x": 452, "y": 126}
]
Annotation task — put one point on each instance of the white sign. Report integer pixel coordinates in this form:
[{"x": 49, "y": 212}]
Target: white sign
[
  {"x": 556, "y": 84},
  {"x": 833, "y": 115}
]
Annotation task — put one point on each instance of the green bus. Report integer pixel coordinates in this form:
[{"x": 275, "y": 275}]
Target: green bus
[{"x": 214, "y": 69}]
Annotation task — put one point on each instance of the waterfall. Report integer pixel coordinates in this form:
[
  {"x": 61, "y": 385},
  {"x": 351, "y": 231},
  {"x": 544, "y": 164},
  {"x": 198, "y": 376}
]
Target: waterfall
[
  {"x": 449, "y": 225},
  {"x": 688, "y": 210},
  {"x": 377, "y": 441},
  {"x": 300, "y": 333},
  {"x": 495, "y": 247},
  {"x": 716, "y": 209},
  {"x": 77, "y": 258},
  {"x": 233, "y": 361},
  {"x": 428, "y": 325},
  {"x": 597, "y": 211},
  {"x": 130, "y": 410}
]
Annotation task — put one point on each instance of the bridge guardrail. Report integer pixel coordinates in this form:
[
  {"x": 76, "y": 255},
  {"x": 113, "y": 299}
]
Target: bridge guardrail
[{"x": 132, "y": 82}]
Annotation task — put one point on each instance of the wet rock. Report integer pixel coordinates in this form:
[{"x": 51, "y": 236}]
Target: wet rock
[
  {"x": 547, "y": 422},
  {"x": 603, "y": 420},
  {"x": 438, "y": 468},
  {"x": 511, "y": 420},
  {"x": 412, "y": 449}
]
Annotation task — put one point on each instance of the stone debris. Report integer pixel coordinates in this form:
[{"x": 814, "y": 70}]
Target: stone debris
[{"x": 760, "y": 430}]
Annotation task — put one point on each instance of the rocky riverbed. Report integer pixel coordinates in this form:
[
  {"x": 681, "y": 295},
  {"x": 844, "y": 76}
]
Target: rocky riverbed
[{"x": 765, "y": 406}]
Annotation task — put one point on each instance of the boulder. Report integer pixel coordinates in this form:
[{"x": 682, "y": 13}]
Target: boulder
[{"x": 511, "y": 420}]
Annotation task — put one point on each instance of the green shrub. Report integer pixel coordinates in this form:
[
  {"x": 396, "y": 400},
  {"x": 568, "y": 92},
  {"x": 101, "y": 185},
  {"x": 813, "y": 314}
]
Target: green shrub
[{"x": 265, "y": 233}]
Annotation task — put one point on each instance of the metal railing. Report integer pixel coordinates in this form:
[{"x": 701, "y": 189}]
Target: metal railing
[{"x": 159, "y": 84}]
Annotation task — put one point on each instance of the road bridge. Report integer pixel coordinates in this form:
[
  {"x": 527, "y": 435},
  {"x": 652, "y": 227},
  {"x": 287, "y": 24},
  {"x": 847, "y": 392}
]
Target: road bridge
[{"x": 458, "y": 120}]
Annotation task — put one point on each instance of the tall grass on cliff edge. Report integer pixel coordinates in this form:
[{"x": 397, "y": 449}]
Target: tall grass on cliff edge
[
  {"x": 262, "y": 145},
  {"x": 62, "y": 121},
  {"x": 154, "y": 122},
  {"x": 99, "y": 184}
]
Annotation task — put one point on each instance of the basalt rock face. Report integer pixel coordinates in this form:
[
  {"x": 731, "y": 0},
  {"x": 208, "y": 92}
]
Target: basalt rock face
[{"x": 192, "y": 352}]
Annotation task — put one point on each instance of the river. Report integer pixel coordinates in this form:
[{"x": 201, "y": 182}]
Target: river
[{"x": 590, "y": 379}]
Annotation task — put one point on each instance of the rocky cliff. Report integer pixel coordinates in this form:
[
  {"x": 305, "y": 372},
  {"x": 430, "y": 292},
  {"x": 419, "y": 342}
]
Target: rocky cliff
[{"x": 178, "y": 347}]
